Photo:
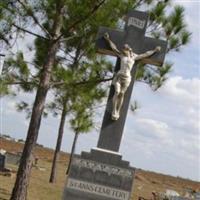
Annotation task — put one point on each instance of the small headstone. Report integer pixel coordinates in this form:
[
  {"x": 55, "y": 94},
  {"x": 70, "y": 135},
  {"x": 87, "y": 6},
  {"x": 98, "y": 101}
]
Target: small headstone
[
  {"x": 172, "y": 193},
  {"x": 2, "y": 162},
  {"x": 197, "y": 196},
  {"x": 13, "y": 158},
  {"x": 178, "y": 198},
  {"x": 2, "y": 151}
]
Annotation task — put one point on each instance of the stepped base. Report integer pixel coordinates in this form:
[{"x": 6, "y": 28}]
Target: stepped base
[{"x": 99, "y": 175}]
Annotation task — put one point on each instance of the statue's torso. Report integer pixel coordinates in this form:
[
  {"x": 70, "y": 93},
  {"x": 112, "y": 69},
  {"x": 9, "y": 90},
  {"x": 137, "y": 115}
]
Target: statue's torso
[{"x": 126, "y": 65}]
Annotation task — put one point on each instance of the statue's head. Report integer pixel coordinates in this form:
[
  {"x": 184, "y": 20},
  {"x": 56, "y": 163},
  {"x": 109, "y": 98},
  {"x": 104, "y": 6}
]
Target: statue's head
[{"x": 127, "y": 49}]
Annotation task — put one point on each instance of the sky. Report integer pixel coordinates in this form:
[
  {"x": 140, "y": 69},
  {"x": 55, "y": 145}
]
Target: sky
[{"x": 163, "y": 135}]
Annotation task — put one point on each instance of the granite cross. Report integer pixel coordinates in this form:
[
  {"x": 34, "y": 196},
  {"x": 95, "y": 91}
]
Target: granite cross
[{"x": 133, "y": 35}]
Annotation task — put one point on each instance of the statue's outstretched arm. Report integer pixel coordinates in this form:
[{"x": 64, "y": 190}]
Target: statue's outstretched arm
[
  {"x": 112, "y": 44},
  {"x": 148, "y": 53}
]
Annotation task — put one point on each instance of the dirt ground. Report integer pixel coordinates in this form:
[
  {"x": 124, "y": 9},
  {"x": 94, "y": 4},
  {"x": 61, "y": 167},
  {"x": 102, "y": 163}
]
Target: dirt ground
[{"x": 40, "y": 189}]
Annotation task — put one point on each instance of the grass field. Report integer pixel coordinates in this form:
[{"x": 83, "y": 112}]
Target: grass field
[{"x": 40, "y": 189}]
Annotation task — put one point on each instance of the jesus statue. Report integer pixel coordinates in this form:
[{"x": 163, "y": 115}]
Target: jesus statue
[{"x": 122, "y": 78}]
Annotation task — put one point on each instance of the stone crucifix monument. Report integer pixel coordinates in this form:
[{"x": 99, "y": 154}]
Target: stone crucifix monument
[{"x": 102, "y": 174}]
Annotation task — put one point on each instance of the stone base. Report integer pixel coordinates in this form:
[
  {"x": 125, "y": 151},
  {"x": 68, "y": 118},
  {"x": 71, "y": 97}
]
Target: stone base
[{"x": 99, "y": 175}]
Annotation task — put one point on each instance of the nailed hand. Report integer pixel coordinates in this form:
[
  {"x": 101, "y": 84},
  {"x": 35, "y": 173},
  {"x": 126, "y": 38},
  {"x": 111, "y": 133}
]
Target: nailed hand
[
  {"x": 106, "y": 35},
  {"x": 158, "y": 48}
]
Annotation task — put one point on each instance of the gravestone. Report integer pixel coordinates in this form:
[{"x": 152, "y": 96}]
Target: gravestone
[
  {"x": 13, "y": 158},
  {"x": 197, "y": 196},
  {"x": 177, "y": 198},
  {"x": 102, "y": 174},
  {"x": 2, "y": 162}
]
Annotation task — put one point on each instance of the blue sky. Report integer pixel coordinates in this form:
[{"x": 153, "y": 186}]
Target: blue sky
[{"x": 163, "y": 135}]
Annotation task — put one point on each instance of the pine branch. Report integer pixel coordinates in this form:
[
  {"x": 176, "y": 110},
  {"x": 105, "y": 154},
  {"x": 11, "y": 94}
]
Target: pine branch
[
  {"x": 67, "y": 53},
  {"x": 85, "y": 51},
  {"x": 21, "y": 83},
  {"x": 93, "y": 81},
  {"x": 151, "y": 68},
  {"x": 156, "y": 27},
  {"x": 138, "y": 4},
  {"x": 22, "y": 29},
  {"x": 2, "y": 55},
  {"x": 30, "y": 32},
  {"x": 174, "y": 48},
  {"x": 63, "y": 58},
  {"x": 4, "y": 39},
  {"x": 69, "y": 38},
  {"x": 142, "y": 81},
  {"x": 31, "y": 14},
  {"x": 61, "y": 83},
  {"x": 81, "y": 82},
  {"x": 84, "y": 18}
]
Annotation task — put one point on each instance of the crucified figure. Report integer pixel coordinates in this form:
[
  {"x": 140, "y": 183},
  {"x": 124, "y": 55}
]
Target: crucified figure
[{"x": 122, "y": 78}]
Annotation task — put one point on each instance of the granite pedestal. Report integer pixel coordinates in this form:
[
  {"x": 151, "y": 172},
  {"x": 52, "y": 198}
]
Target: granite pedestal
[{"x": 99, "y": 175}]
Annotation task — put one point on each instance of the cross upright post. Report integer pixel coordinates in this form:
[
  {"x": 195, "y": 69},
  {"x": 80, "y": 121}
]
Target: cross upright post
[{"x": 133, "y": 35}]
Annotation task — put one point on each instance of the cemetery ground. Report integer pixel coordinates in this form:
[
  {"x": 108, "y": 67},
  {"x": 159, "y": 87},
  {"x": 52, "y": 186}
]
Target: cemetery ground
[{"x": 40, "y": 189}]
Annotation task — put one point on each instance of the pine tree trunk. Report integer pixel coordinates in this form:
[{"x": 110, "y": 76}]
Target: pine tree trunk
[
  {"x": 72, "y": 151},
  {"x": 23, "y": 175},
  {"x": 58, "y": 146}
]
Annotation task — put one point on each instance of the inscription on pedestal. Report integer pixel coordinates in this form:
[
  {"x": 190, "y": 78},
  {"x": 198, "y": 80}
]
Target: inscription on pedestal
[
  {"x": 108, "y": 169},
  {"x": 97, "y": 189}
]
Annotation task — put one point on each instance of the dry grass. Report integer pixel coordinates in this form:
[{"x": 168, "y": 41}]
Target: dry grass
[{"x": 41, "y": 189}]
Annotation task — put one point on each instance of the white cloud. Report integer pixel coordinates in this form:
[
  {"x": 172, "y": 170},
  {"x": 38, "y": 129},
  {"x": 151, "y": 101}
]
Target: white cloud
[
  {"x": 186, "y": 3},
  {"x": 9, "y": 106},
  {"x": 184, "y": 97},
  {"x": 159, "y": 129},
  {"x": 166, "y": 127},
  {"x": 184, "y": 90}
]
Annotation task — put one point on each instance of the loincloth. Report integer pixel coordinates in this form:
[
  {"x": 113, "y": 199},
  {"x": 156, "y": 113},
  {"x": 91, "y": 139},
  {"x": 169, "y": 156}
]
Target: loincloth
[{"x": 122, "y": 79}]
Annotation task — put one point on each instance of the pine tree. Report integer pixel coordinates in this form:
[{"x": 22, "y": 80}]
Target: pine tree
[
  {"x": 88, "y": 95},
  {"x": 53, "y": 30},
  {"x": 80, "y": 123}
]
